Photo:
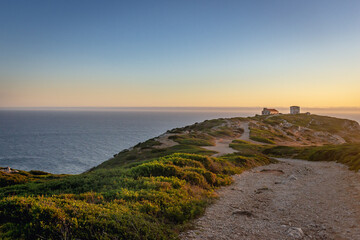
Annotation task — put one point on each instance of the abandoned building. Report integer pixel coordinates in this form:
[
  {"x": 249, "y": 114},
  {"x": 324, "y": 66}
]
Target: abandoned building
[
  {"x": 294, "y": 110},
  {"x": 269, "y": 111}
]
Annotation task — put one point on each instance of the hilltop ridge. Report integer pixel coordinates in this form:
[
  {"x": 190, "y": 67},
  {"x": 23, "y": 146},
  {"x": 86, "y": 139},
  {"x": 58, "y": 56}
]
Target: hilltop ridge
[
  {"x": 154, "y": 189},
  {"x": 282, "y": 129}
]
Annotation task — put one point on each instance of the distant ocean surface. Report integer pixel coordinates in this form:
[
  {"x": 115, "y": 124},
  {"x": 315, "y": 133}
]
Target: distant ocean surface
[{"x": 73, "y": 141}]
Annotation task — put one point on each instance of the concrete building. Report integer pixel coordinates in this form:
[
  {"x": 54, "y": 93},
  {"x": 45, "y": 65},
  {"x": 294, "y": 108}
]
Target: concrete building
[
  {"x": 294, "y": 110},
  {"x": 269, "y": 111}
]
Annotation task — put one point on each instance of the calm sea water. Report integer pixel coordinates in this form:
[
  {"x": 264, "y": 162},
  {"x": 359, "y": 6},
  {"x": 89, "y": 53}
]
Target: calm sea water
[{"x": 74, "y": 141}]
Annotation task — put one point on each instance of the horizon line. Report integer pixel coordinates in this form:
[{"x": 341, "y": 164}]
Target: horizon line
[{"x": 353, "y": 108}]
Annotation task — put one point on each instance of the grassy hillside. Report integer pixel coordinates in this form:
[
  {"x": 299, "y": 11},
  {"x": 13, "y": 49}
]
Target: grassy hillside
[
  {"x": 188, "y": 139},
  {"x": 316, "y": 122},
  {"x": 150, "y": 200},
  {"x": 153, "y": 189},
  {"x": 302, "y": 129},
  {"x": 19, "y": 177},
  {"x": 348, "y": 154},
  {"x": 285, "y": 129},
  {"x": 147, "y": 151}
]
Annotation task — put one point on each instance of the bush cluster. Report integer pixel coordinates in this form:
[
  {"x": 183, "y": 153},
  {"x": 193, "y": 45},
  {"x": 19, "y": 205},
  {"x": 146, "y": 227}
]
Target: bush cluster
[
  {"x": 20, "y": 177},
  {"x": 348, "y": 154},
  {"x": 150, "y": 200}
]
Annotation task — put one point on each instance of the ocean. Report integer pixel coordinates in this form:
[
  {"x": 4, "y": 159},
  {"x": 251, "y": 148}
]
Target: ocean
[{"x": 73, "y": 141}]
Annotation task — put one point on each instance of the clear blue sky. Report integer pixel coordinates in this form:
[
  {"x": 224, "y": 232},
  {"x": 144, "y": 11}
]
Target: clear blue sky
[{"x": 179, "y": 53}]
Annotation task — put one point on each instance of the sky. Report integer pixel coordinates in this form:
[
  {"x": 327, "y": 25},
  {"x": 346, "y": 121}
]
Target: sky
[{"x": 179, "y": 53}]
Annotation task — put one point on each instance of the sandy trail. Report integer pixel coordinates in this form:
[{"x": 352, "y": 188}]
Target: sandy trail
[
  {"x": 222, "y": 144},
  {"x": 221, "y": 147},
  {"x": 274, "y": 201},
  {"x": 165, "y": 142},
  {"x": 246, "y": 134}
]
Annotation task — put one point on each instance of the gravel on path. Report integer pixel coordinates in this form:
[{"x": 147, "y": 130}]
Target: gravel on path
[{"x": 292, "y": 199}]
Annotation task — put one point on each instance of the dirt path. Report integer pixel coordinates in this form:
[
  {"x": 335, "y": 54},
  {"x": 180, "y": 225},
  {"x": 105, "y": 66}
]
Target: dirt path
[
  {"x": 165, "y": 141},
  {"x": 246, "y": 134},
  {"x": 293, "y": 199},
  {"x": 222, "y": 145}
]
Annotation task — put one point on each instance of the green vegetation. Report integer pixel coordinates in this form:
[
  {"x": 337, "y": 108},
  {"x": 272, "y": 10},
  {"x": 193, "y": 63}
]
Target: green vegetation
[
  {"x": 263, "y": 136},
  {"x": 151, "y": 200},
  {"x": 347, "y": 129},
  {"x": 190, "y": 138},
  {"x": 315, "y": 122},
  {"x": 128, "y": 158},
  {"x": 348, "y": 154},
  {"x": 19, "y": 177},
  {"x": 151, "y": 191},
  {"x": 204, "y": 126},
  {"x": 214, "y": 128},
  {"x": 262, "y": 139},
  {"x": 225, "y": 131},
  {"x": 147, "y": 144},
  {"x": 195, "y": 138},
  {"x": 246, "y": 148}
]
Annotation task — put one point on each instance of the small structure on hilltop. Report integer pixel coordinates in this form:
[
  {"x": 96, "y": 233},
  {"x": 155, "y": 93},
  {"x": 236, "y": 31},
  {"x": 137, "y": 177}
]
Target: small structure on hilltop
[
  {"x": 294, "y": 110},
  {"x": 8, "y": 170},
  {"x": 269, "y": 111}
]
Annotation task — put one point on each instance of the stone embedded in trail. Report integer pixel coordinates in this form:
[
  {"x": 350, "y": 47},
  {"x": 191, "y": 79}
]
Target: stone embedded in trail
[
  {"x": 243, "y": 212},
  {"x": 261, "y": 190},
  {"x": 292, "y": 177},
  {"x": 278, "y": 171},
  {"x": 295, "y": 232}
]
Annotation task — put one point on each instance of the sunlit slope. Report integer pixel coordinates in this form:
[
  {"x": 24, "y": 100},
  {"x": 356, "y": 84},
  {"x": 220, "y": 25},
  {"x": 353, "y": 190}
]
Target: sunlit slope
[{"x": 284, "y": 129}]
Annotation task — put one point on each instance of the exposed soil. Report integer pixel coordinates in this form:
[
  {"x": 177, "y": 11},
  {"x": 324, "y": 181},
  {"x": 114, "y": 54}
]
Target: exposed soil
[
  {"x": 165, "y": 142},
  {"x": 246, "y": 134},
  {"x": 221, "y": 146},
  {"x": 292, "y": 199}
]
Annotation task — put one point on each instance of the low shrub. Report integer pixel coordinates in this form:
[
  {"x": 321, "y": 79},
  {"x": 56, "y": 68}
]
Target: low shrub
[
  {"x": 20, "y": 177},
  {"x": 196, "y": 139},
  {"x": 262, "y": 139},
  {"x": 149, "y": 200},
  {"x": 348, "y": 154}
]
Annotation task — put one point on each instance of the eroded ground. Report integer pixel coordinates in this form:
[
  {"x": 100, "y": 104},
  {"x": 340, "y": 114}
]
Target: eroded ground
[{"x": 292, "y": 199}]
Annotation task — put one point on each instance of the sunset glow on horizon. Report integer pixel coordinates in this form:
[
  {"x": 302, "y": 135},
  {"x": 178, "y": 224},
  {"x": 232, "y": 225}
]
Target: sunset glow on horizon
[{"x": 183, "y": 53}]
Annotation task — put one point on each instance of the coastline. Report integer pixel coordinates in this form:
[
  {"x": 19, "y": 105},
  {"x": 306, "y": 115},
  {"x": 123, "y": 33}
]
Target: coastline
[{"x": 156, "y": 188}]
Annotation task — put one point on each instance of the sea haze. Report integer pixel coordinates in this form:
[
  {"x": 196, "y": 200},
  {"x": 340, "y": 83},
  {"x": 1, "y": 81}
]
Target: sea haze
[{"x": 73, "y": 141}]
